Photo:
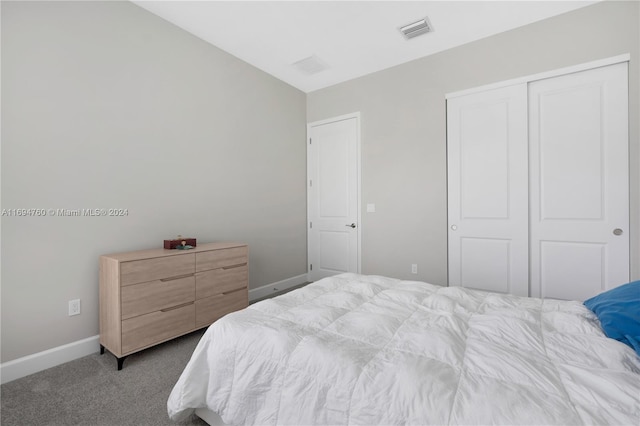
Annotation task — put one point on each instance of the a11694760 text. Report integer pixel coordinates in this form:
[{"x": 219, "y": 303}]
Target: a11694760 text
[{"x": 58, "y": 212}]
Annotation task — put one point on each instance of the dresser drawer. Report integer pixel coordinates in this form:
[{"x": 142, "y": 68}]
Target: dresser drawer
[
  {"x": 139, "y": 271},
  {"x": 218, "y": 258},
  {"x": 222, "y": 280},
  {"x": 155, "y": 295},
  {"x": 211, "y": 308},
  {"x": 149, "y": 329}
]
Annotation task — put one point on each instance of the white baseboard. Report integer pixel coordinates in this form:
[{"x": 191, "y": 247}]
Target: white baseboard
[
  {"x": 266, "y": 290},
  {"x": 34, "y": 363}
]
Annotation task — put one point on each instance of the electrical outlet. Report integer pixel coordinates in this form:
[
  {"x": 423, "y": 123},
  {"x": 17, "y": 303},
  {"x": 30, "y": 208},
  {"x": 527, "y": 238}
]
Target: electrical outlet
[
  {"x": 414, "y": 268},
  {"x": 74, "y": 307}
]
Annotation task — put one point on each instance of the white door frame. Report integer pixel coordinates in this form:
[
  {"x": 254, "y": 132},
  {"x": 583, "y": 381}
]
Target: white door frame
[{"x": 352, "y": 115}]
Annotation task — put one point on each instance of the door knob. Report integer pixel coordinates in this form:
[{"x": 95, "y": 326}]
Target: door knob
[
  {"x": 353, "y": 225},
  {"x": 617, "y": 231},
  {"x": 454, "y": 227}
]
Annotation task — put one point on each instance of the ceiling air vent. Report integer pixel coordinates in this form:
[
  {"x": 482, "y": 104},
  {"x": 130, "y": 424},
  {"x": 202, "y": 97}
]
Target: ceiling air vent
[
  {"x": 415, "y": 29},
  {"x": 311, "y": 65}
]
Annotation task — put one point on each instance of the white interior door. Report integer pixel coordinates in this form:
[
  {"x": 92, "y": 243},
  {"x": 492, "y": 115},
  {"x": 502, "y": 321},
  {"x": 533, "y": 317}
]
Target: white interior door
[
  {"x": 333, "y": 197},
  {"x": 579, "y": 183},
  {"x": 487, "y": 184}
]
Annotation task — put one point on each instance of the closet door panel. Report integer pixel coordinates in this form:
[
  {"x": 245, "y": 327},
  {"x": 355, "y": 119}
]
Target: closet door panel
[
  {"x": 571, "y": 153},
  {"x": 562, "y": 262},
  {"x": 484, "y": 263},
  {"x": 484, "y": 161},
  {"x": 579, "y": 183},
  {"x": 487, "y": 187}
]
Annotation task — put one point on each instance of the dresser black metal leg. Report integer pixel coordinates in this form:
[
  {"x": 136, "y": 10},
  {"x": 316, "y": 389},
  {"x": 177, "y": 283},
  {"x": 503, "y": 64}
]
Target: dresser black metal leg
[
  {"x": 101, "y": 350},
  {"x": 120, "y": 361}
]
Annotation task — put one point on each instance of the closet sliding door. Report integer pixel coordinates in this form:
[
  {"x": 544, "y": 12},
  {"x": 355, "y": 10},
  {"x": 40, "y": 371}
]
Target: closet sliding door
[
  {"x": 487, "y": 174},
  {"x": 579, "y": 183},
  {"x": 538, "y": 185}
]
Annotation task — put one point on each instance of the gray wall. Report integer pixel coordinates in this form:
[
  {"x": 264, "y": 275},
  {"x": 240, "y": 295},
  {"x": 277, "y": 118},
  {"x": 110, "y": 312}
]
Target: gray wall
[
  {"x": 105, "y": 105},
  {"x": 404, "y": 127}
]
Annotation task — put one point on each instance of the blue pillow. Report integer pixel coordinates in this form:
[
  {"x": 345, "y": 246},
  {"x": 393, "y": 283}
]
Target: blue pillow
[{"x": 618, "y": 310}]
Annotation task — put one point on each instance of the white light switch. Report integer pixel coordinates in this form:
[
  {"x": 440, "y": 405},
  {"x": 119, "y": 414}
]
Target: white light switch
[{"x": 371, "y": 208}]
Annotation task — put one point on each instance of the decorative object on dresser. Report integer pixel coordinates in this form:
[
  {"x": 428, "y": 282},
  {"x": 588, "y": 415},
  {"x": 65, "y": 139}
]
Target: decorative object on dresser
[
  {"x": 180, "y": 242},
  {"x": 151, "y": 296}
]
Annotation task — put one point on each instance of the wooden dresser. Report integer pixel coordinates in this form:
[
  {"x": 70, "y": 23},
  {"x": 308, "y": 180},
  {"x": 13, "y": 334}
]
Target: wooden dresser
[{"x": 151, "y": 296}]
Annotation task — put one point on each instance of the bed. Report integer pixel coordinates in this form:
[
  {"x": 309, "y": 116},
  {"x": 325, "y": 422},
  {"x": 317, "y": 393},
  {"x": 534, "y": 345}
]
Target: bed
[{"x": 370, "y": 350}]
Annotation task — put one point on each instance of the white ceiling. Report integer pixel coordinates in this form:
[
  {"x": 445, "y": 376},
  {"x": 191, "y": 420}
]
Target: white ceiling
[{"x": 352, "y": 38}]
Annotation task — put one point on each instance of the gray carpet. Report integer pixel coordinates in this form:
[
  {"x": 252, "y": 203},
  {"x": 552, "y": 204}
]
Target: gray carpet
[{"x": 90, "y": 390}]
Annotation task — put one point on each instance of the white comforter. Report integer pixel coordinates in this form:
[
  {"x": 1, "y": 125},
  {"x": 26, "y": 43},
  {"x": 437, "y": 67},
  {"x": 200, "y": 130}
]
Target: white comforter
[{"x": 370, "y": 350}]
